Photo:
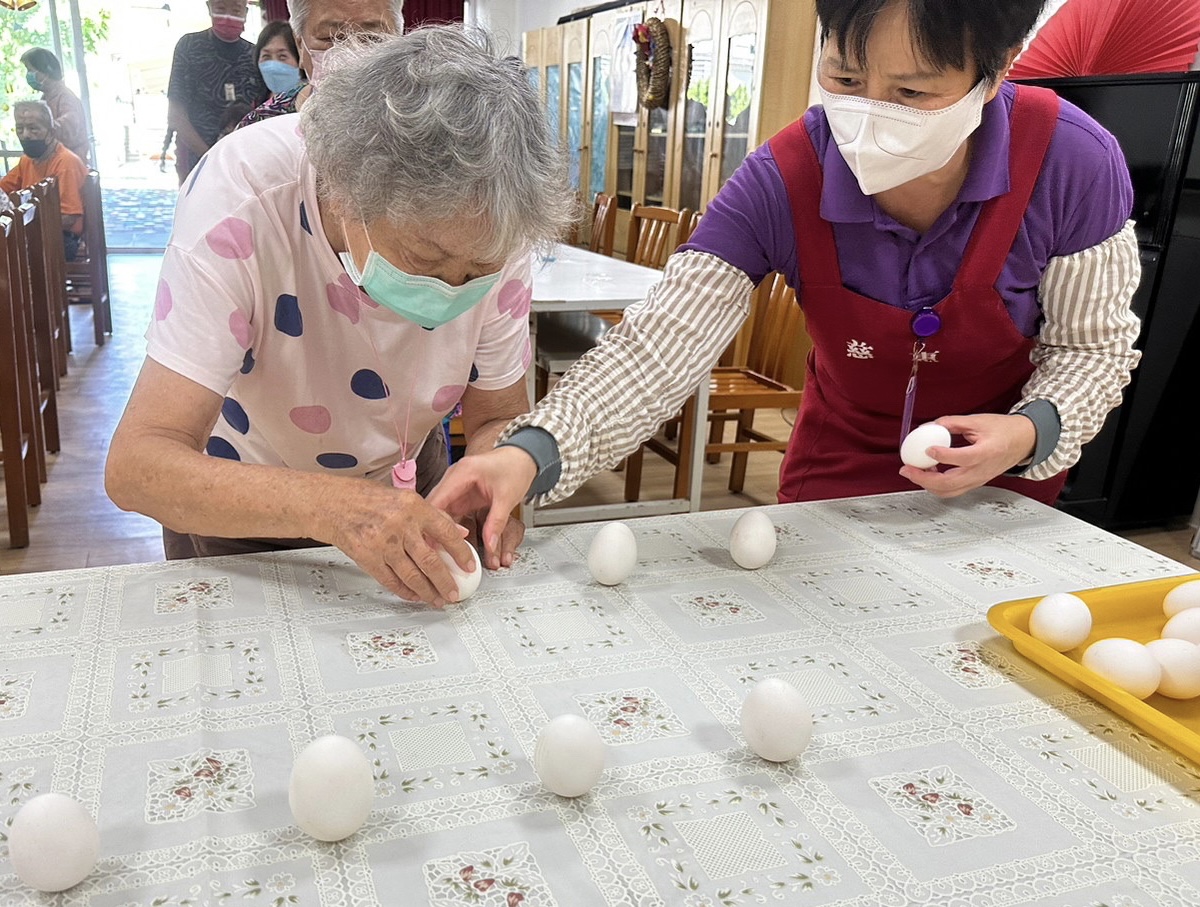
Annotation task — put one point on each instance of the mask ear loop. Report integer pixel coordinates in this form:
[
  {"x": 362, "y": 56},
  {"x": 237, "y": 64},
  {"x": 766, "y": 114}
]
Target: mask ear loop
[{"x": 404, "y": 472}]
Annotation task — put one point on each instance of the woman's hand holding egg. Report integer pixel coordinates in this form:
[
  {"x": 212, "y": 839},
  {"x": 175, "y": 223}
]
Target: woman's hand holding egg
[{"x": 995, "y": 444}]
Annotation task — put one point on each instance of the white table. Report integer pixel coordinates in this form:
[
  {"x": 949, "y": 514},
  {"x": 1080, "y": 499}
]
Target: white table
[
  {"x": 578, "y": 280},
  {"x": 945, "y": 769}
]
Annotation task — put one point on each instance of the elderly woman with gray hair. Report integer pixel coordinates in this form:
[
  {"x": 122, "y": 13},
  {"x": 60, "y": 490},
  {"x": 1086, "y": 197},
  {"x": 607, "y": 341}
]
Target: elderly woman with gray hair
[{"x": 337, "y": 282}]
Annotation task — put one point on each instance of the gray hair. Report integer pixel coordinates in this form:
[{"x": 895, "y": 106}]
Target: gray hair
[
  {"x": 299, "y": 10},
  {"x": 42, "y": 108},
  {"x": 435, "y": 125}
]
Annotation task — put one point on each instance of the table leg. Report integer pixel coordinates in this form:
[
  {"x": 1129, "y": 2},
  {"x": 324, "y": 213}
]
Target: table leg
[{"x": 697, "y": 441}]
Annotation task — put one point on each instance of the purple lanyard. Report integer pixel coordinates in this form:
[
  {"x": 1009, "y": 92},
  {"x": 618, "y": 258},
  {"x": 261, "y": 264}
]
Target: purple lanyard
[{"x": 925, "y": 323}]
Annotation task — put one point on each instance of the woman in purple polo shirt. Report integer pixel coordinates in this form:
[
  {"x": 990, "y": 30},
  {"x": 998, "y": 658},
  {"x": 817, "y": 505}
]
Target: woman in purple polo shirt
[{"x": 933, "y": 219}]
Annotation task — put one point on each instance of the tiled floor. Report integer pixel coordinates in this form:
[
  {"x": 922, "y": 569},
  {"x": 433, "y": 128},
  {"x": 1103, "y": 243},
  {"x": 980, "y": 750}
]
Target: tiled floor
[
  {"x": 138, "y": 218},
  {"x": 77, "y": 525}
]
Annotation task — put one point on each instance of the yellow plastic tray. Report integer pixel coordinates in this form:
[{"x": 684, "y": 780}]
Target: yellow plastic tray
[{"x": 1133, "y": 611}]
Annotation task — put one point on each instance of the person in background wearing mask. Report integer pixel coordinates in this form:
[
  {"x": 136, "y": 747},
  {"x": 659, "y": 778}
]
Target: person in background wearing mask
[
  {"x": 44, "y": 156},
  {"x": 44, "y": 73},
  {"x": 279, "y": 63},
  {"x": 211, "y": 70},
  {"x": 935, "y": 220},
  {"x": 316, "y": 24},
  {"x": 336, "y": 282}
]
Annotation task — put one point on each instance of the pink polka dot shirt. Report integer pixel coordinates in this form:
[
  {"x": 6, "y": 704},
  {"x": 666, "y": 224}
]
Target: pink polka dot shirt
[{"x": 254, "y": 305}]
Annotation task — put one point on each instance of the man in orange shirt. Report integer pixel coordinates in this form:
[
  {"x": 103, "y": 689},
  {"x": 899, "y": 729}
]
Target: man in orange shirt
[{"x": 46, "y": 156}]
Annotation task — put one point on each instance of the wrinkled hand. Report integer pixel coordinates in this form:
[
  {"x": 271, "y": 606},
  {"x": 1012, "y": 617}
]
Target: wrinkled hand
[
  {"x": 995, "y": 444},
  {"x": 490, "y": 485},
  {"x": 395, "y": 536},
  {"x": 510, "y": 539}
]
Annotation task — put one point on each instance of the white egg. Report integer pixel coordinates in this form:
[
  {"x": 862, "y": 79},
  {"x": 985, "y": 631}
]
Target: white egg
[
  {"x": 776, "y": 720},
  {"x": 920, "y": 439},
  {"x": 752, "y": 541},
  {"x": 1180, "y": 664},
  {"x": 1060, "y": 620},
  {"x": 1124, "y": 663},
  {"x": 1184, "y": 625},
  {"x": 467, "y": 583},
  {"x": 612, "y": 554},
  {"x": 53, "y": 843},
  {"x": 569, "y": 757},
  {"x": 332, "y": 788},
  {"x": 1182, "y": 597}
]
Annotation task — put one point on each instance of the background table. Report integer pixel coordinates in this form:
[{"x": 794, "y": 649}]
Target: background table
[
  {"x": 944, "y": 769},
  {"x": 578, "y": 280}
]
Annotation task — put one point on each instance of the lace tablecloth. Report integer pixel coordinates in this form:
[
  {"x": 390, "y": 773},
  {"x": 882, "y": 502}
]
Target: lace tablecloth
[{"x": 170, "y": 699}]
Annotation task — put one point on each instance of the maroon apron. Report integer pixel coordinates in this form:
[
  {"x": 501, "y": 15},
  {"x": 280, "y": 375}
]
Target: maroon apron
[{"x": 846, "y": 440}]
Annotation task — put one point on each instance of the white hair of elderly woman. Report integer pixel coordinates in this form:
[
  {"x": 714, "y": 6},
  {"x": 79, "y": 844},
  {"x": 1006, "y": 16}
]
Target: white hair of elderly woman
[
  {"x": 299, "y": 10},
  {"x": 436, "y": 125}
]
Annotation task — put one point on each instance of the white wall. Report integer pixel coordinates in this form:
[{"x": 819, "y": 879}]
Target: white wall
[
  {"x": 542, "y": 13},
  {"x": 510, "y": 19}
]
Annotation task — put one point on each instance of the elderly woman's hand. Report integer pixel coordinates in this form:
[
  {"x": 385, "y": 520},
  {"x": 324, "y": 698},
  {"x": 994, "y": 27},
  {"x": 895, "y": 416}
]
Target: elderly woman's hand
[
  {"x": 996, "y": 443},
  {"x": 395, "y": 536},
  {"x": 491, "y": 483}
]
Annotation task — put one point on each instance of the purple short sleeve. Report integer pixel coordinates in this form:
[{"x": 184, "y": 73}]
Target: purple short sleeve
[
  {"x": 749, "y": 223},
  {"x": 1084, "y": 194}
]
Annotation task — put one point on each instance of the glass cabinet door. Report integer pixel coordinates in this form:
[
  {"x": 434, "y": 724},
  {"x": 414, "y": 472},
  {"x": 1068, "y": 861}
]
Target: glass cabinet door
[
  {"x": 600, "y": 120},
  {"x": 626, "y": 156},
  {"x": 575, "y": 119},
  {"x": 694, "y": 125},
  {"x": 740, "y": 83},
  {"x": 554, "y": 100},
  {"x": 739, "y": 86},
  {"x": 657, "y": 146}
]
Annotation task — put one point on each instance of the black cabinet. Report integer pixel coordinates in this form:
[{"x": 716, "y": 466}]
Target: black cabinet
[{"x": 1144, "y": 466}]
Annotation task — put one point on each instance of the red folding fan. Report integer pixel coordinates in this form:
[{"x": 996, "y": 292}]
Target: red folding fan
[{"x": 1113, "y": 37}]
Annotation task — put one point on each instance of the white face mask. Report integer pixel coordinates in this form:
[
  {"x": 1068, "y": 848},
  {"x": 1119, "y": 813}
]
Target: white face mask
[
  {"x": 318, "y": 63},
  {"x": 887, "y": 145}
]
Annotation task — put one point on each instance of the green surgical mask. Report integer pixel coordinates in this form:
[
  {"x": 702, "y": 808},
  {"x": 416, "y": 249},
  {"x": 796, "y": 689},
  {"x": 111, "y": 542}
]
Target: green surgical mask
[{"x": 425, "y": 300}]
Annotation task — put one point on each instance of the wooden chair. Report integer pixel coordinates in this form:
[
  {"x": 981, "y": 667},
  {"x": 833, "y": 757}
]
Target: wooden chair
[
  {"x": 87, "y": 278},
  {"x": 29, "y": 390},
  {"x": 39, "y": 322},
  {"x": 776, "y": 342},
  {"x": 20, "y": 463},
  {"x": 604, "y": 224},
  {"x": 46, "y": 197}
]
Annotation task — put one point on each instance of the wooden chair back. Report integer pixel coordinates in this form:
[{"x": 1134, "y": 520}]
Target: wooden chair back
[
  {"x": 46, "y": 197},
  {"x": 31, "y": 395},
  {"x": 687, "y": 229},
  {"x": 604, "y": 224},
  {"x": 778, "y": 339},
  {"x": 87, "y": 277},
  {"x": 654, "y": 234},
  {"x": 39, "y": 321},
  {"x": 13, "y": 437}
]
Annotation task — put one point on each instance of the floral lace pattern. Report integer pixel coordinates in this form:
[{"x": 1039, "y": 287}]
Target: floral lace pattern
[
  {"x": 940, "y": 805},
  {"x": 561, "y": 628},
  {"x": 426, "y": 749},
  {"x": 175, "y": 676},
  {"x": 972, "y": 665},
  {"x": 505, "y": 877},
  {"x": 211, "y": 593},
  {"x": 718, "y": 608},
  {"x": 404, "y": 647},
  {"x": 39, "y": 611},
  {"x": 218, "y": 781},
  {"x": 14, "y": 694},
  {"x": 993, "y": 573},
  {"x": 630, "y": 716}
]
